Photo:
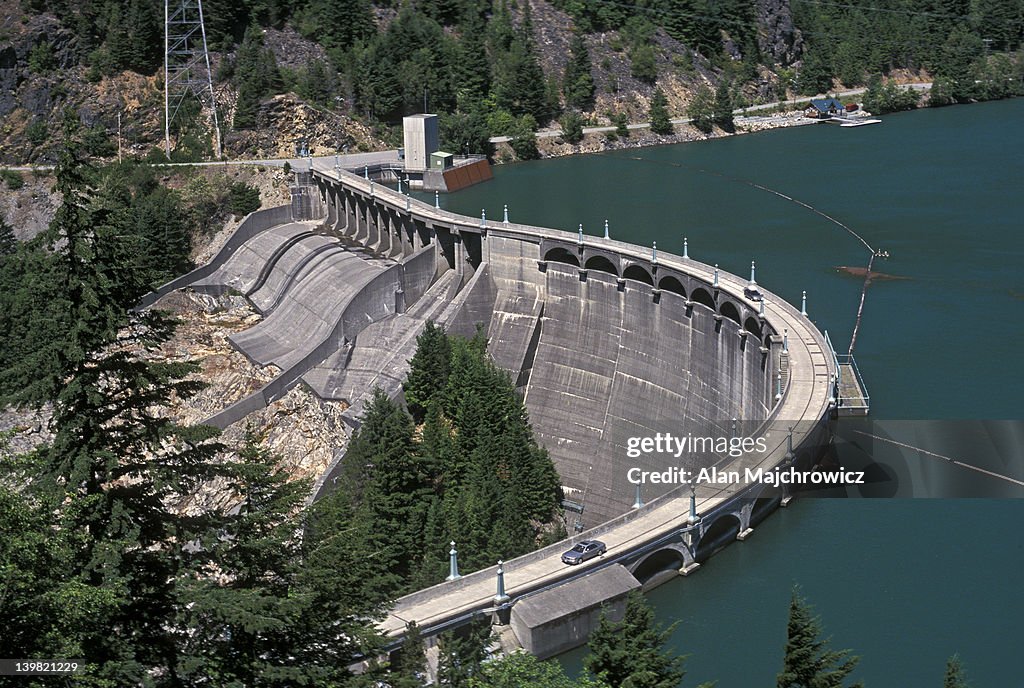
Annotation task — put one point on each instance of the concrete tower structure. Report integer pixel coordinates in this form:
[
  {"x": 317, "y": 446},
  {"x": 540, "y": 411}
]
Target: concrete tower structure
[{"x": 420, "y": 133}]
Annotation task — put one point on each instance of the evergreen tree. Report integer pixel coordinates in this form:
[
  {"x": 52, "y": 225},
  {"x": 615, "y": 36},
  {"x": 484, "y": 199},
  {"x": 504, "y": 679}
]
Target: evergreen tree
[
  {"x": 722, "y": 107},
  {"x": 578, "y": 84},
  {"x": 524, "y": 138},
  {"x": 461, "y": 654},
  {"x": 621, "y": 122},
  {"x": 631, "y": 652},
  {"x": 240, "y": 624},
  {"x": 114, "y": 467},
  {"x": 256, "y": 76},
  {"x": 8, "y": 242},
  {"x": 572, "y": 126},
  {"x": 642, "y": 63},
  {"x": 808, "y": 662},
  {"x": 702, "y": 109},
  {"x": 409, "y": 670},
  {"x": 337, "y": 24},
  {"x": 815, "y": 74},
  {"x": 955, "y": 676},
  {"x": 465, "y": 131},
  {"x": 519, "y": 84},
  {"x": 473, "y": 69},
  {"x": 658, "y": 115},
  {"x": 957, "y": 67},
  {"x": 428, "y": 370}
]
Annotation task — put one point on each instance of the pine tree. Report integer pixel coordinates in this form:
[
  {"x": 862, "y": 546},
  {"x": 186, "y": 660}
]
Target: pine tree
[
  {"x": 572, "y": 126},
  {"x": 256, "y": 76},
  {"x": 643, "y": 64},
  {"x": 701, "y": 109},
  {"x": 578, "y": 84},
  {"x": 631, "y": 652},
  {"x": 8, "y": 242},
  {"x": 428, "y": 370},
  {"x": 660, "y": 123},
  {"x": 722, "y": 107},
  {"x": 115, "y": 466},
  {"x": 815, "y": 74},
  {"x": 955, "y": 676},
  {"x": 473, "y": 70},
  {"x": 808, "y": 662},
  {"x": 240, "y": 623},
  {"x": 409, "y": 670},
  {"x": 519, "y": 84},
  {"x": 461, "y": 654},
  {"x": 337, "y": 24}
]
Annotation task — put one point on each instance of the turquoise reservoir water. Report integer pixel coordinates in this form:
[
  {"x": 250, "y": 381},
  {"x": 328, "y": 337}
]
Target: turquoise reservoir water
[{"x": 904, "y": 583}]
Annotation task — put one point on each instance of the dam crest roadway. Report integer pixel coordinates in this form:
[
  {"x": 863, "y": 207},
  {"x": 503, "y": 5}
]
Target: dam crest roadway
[{"x": 606, "y": 340}]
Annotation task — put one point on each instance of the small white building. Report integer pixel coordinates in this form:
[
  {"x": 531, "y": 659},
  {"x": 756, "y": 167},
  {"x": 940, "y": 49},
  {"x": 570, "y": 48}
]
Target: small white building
[{"x": 420, "y": 135}]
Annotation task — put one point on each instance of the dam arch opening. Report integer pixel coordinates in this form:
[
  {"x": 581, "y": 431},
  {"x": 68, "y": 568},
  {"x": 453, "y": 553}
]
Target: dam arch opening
[
  {"x": 701, "y": 296},
  {"x": 602, "y": 264},
  {"x": 638, "y": 274},
  {"x": 561, "y": 255},
  {"x": 730, "y": 311},
  {"x": 670, "y": 283},
  {"x": 659, "y": 562},
  {"x": 719, "y": 534}
]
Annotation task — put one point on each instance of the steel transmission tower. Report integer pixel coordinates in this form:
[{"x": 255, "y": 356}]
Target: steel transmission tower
[{"x": 186, "y": 63}]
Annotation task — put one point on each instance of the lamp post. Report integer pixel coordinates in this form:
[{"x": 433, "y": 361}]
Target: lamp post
[{"x": 453, "y": 563}]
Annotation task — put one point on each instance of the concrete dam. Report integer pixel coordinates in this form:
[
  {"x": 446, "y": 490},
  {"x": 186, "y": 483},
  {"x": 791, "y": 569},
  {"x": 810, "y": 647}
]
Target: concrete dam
[{"x": 605, "y": 340}]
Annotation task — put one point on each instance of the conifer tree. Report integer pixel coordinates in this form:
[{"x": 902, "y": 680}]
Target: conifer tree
[
  {"x": 114, "y": 467},
  {"x": 722, "y": 107},
  {"x": 519, "y": 84},
  {"x": 578, "y": 84},
  {"x": 8, "y": 242},
  {"x": 702, "y": 109},
  {"x": 239, "y": 625},
  {"x": 256, "y": 76},
  {"x": 428, "y": 370},
  {"x": 631, "y": 652},
  {"x": 410, "y": 668},
  {"x": 473, "y": 70},
  {"x": 955, "y": 676},
  {"x": 462, "y": 653},
  {"x": 520, "y": 669},
  {"x": 660, "y": 122},
  {"x": 808, "y": 662}
]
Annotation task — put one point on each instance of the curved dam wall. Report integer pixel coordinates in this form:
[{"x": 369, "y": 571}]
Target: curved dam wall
[
  {"x": 604, "y": 342},
  {"x": 600, "y": 359},
  {"x": 611, "y": 364}
]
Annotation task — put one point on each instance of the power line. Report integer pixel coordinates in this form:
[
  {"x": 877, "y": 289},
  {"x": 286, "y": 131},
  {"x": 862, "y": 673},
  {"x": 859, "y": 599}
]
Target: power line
[{"x": 950, "y": 459}]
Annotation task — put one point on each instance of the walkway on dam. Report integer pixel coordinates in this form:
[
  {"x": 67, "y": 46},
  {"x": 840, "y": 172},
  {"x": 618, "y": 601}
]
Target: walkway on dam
[{"x": 808, "y": 394}]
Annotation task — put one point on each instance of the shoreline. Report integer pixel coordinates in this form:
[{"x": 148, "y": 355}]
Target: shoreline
[{"x": 595, "y": 142}]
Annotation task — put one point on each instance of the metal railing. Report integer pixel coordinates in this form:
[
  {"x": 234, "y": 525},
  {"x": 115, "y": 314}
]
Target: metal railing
[{"x": 863, "y": 400}]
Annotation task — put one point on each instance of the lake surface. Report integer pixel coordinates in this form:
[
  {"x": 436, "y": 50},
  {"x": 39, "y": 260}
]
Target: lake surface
[{"x": 903, "y": 582}]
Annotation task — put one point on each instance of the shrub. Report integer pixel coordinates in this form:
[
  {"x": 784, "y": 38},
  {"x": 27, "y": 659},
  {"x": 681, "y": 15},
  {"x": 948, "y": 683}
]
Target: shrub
[
  {"x": 12, "y": 179},
  {"x": 40, "y": 58},
  {"x": 572, "y": 126},
  {"x": 36, "y": 132},
  {"x": 243, "y": 199}
]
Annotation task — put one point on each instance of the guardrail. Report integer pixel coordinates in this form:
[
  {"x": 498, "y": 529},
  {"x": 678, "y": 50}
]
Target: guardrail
[{"x": 857, "y": 402}]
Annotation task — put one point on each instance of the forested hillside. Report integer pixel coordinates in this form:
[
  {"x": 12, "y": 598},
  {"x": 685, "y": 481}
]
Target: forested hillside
[{"x": 489, "y": 67}]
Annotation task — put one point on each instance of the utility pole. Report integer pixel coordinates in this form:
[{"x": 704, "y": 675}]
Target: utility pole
[
  {"x": 186, "y": 64},
  {"x": 119, "y": 136}
]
